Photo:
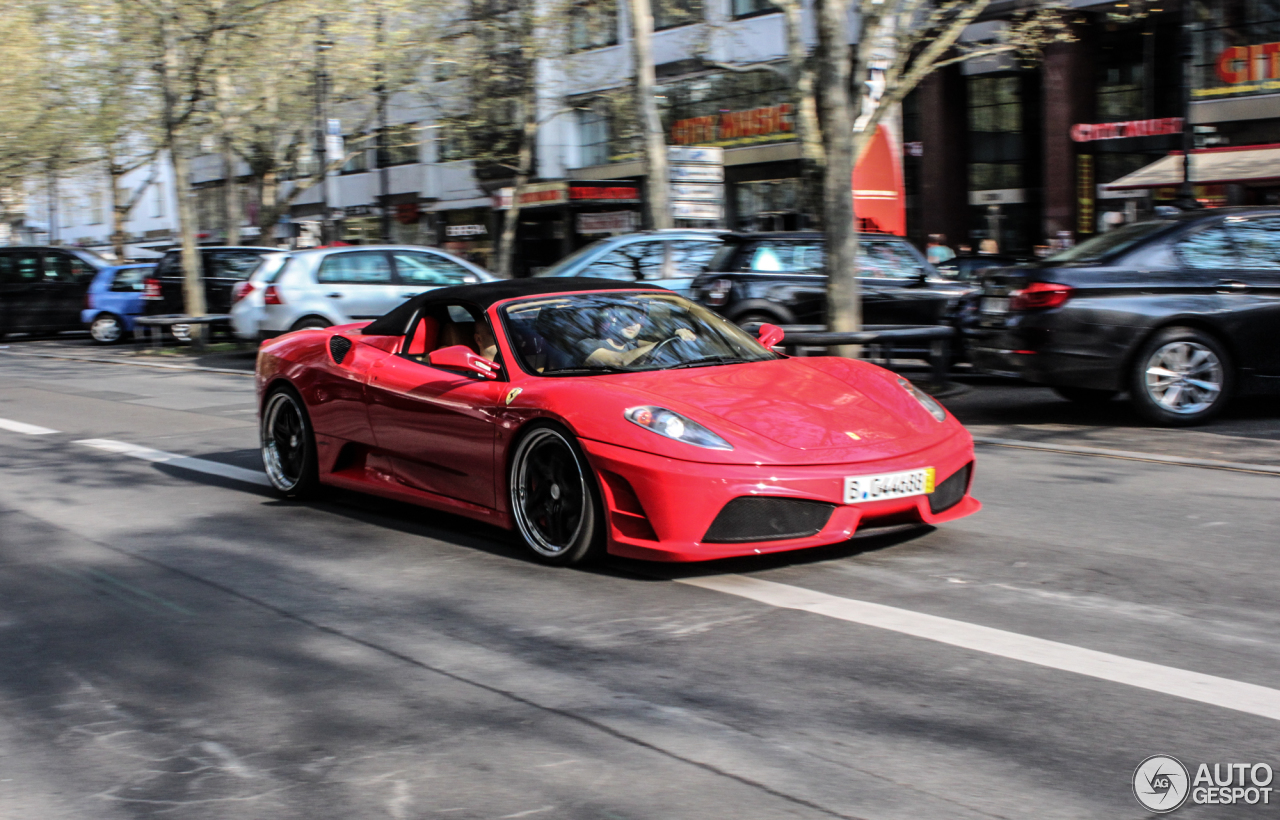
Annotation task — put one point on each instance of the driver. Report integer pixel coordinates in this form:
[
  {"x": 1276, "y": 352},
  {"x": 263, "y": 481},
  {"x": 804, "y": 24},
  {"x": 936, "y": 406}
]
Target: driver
[{"x": 618, "y": 345}]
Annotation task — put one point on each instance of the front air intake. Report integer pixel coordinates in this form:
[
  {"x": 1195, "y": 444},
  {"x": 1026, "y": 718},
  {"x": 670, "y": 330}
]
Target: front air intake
[
  {"x": 948, "y": 494},
  {"x": 759, "y": 518},
  {"x": 339, "y": 347}
]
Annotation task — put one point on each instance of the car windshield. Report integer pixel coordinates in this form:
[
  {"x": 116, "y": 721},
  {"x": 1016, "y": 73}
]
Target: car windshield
[
  {"x": 593, "y": 333},
  {"x": 1112, "y": 242}
]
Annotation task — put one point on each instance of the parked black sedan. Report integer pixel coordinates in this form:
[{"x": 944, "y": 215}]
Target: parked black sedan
[
  {"x": 1182, "y": 313},
  {"x": 781, "y": 278}
]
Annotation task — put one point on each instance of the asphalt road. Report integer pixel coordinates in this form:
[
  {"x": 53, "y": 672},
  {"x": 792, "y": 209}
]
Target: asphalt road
[{"x": 176, "y": 642}]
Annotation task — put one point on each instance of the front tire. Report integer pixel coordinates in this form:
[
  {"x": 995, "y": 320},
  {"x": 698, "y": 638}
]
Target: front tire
[
  {"x": 309, "y": 322},
  {"x": 107, "y": 329},
  {"x": 1181, "y": 376},
  {"x": 554, "y": 499},
  {"x": 289, "y": 444}
]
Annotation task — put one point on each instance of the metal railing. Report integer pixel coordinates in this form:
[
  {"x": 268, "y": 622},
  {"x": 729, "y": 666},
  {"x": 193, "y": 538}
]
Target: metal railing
[{"x": 877, "y": 341}]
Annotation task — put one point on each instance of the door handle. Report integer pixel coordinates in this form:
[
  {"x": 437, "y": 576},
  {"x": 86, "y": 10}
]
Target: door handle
[
  {"x": 334, "y": 295},
  {"x": 1232, "y": 285}
]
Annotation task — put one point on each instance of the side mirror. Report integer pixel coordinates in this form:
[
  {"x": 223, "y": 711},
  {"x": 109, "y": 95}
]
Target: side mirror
[
  {"x": 770, "y": 335},
  {"x": 461, "y": 357}
]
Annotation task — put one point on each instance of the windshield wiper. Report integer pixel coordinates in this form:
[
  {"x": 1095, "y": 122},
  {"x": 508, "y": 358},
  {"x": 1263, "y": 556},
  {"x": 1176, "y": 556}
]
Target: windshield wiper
[
  {"x": 709, "y": 361},
  {"x": 596, "y": 370}
]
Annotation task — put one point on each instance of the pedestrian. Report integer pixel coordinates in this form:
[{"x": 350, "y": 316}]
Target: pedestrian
[{"x": 938, "y": 251}]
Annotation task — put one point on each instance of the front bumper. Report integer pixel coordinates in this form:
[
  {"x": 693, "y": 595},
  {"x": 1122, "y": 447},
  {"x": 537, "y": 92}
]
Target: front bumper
[{"x": 660, "y": 509}]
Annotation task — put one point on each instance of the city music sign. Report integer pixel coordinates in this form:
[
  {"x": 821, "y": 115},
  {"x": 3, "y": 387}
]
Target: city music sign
[
  {"x": 1089, "y": 132},
  {"x": 735, "y": 127},
  {"x": 1246, "y": 69}
]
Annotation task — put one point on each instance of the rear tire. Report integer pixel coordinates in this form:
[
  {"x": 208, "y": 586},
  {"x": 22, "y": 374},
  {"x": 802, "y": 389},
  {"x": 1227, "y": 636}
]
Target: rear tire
[
  {"x": 1089, "y": 396},
  {"x": 107, "y": 329},
  {"x": 288, "y": 444},
  {"x": 554, "y": 498},
  {"x": 1181, "y": 376},
  {"x": 310, "y": 322}
]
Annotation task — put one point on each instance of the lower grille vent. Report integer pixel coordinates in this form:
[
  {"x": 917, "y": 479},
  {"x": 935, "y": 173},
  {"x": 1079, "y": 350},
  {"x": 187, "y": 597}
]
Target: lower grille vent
[
  {"x": 759, "y": 518},
  {"x": 948, "y": 494},
  {"x": 339, "y": 347}
]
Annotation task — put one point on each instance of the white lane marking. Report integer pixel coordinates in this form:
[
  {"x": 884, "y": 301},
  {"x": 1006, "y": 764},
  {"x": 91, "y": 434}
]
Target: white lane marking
[
  {"x": 23, "y": 427},
  {"x": 1129, "y": 455},
  {"x": 198, "y": 465},
  {"x": 1228, "y": 694}
]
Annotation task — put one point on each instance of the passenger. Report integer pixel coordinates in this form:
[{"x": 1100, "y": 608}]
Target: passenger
[
  {"x": 486, "y": 344},
  {"x": 618, "y": 345}
]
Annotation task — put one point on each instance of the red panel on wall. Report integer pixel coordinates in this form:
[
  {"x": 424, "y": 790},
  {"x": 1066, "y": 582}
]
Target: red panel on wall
[{"x": 879, "y": 200}]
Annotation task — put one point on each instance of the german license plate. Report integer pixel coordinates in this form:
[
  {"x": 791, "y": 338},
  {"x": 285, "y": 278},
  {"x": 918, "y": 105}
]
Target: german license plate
[
  {"x": 860, "y": 488},
  {"x": 995, "y": 304}
]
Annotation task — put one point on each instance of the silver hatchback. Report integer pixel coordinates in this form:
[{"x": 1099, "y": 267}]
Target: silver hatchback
[{"x": 292, "y": 290}]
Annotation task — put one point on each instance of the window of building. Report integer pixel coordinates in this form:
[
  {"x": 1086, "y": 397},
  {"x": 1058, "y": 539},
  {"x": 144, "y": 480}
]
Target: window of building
[
  {"x": 750, "y": 8},
  {"x": 997, "y": 154},
  {"x": 593, "y": 24},
  {"x": 157, "y": 200},
  {"x": 398, "y": 145},
  {"x": 672, "y": 13},
  {"x": 356, "y": 146},
  {"x": 593, "y": 128}
]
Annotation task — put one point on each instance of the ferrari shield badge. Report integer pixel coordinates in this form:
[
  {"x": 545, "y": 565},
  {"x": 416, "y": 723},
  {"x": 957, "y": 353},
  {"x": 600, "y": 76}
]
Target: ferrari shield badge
[{"x": 515, "y": 391}]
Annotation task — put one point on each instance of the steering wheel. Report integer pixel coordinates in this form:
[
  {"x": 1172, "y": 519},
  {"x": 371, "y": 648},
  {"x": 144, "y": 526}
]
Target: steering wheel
[{"x": 651, "y": 351}]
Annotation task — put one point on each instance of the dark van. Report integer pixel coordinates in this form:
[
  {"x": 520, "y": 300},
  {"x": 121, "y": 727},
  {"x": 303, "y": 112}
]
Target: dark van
[{"x": 42, "y": 289}]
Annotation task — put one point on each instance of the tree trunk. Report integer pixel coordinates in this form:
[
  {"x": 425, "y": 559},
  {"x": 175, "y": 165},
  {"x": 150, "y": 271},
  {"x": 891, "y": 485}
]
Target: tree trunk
[
  {"x": 808, "y": 130},
  {"x": 524, "y": 163},
  {"x": 269, "y": 210},
  {"x": 119, "y": 211},
  {"x": 844, "y": 301},
  {"x": 655, "y": 143},
  {"x": 193, "y": 281}
]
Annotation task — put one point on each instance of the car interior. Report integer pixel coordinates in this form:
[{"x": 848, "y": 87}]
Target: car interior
[{"x": 438, "y": 327}]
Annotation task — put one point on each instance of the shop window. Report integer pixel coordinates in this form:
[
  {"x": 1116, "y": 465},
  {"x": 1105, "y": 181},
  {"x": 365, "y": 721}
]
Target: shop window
[
  {"x": 355, "y": 268},
  {"x": 593, "y": 24},
  {"x": 672, "y": 13},
  {"x": 398, "y": 145},
  {"x": 1210, "y": 248},
  {"x": 750, "y": 8}
]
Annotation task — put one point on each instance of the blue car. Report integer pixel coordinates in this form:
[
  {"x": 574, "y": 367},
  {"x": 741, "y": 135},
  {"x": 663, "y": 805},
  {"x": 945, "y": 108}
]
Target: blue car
[
  {"x": 114, "y": 301},
  {"x": 669, "y": 259}
]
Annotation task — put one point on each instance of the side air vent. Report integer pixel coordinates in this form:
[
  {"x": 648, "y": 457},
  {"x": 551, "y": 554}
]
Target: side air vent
[
  {"x": 948, "y": 494},
  {"x": 339, "y": 347},
  {"x": 759, "y": 518}
]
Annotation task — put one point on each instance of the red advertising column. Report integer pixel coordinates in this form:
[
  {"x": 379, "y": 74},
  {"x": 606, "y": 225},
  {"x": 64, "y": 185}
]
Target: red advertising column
[{"x": 879, "y": 200}]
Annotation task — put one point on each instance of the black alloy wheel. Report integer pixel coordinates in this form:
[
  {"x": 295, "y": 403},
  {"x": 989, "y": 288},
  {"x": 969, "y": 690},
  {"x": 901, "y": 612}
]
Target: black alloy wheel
[
  {"x": 1181, "y": 376},
  {"x": 288, "y": 444},
  {"x": 107, "y": 329},
  {"x": 554, "y": 499},
  {"x": 1085, "y": 395}
]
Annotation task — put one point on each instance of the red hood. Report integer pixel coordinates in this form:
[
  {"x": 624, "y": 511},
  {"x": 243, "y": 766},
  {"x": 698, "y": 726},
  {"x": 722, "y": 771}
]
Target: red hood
[{"x": 796, "y": 410}]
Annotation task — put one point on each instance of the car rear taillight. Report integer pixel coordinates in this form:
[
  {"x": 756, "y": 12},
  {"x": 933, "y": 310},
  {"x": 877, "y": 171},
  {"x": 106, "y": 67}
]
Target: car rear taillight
[
  {"x": 271, "y": 296},
  {"x": 151, "y": 290},
  {"x": 1040, "y": 296},
  {"x": 241, "y": 290}
]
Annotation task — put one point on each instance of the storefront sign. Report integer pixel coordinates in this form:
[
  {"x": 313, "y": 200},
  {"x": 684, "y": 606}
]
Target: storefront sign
[
  {"x": 534, "y": 195},
  {"x": 358, "y": 210},
  {"x": 703, "y": 193},
  {"x": 616, "y": 222},
  {"x": 697, "y": 173},
  {"x": 1086, "y": 132},
  {"x": 1239, "y": 64},
  {"x": 696, "y": 210},
  {"x": 678, "y": 155},
  {"x": 613, "y": 193},
  {"x": 465, "y": 230},
  {"x": 1084, "y": 194},
  {"x": 734, "y": 126}
]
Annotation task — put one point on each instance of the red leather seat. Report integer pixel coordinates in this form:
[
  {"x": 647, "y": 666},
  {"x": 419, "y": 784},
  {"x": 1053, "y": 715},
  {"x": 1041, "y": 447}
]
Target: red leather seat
[{"x": 424, "y": 336}]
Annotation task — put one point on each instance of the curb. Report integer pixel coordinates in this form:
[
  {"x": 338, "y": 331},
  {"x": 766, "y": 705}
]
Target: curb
[
  {"x": 105, "y": 360},
  {"x": 1130, "y": 455}
]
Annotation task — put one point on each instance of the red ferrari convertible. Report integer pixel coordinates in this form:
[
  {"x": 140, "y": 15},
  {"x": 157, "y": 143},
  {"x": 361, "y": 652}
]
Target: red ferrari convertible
[{"x": 595, "y": 416}]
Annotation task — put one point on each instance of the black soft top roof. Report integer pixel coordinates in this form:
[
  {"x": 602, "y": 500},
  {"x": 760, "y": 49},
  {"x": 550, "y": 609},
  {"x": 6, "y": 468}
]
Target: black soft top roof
[{"x": 486, "y": 294}]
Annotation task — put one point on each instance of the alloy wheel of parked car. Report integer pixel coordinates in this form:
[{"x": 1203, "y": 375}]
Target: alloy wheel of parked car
[
  {"x": 107, "y": 329},
  {"x": 288, "y": 444},
  {"x": 310, "y": 322},
  {"x": 553, "y": 497},
  {"x": 1181, "y": 376}
]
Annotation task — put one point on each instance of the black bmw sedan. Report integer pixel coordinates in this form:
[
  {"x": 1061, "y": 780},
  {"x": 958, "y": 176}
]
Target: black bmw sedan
[{"x": 1181, "y": 313}]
